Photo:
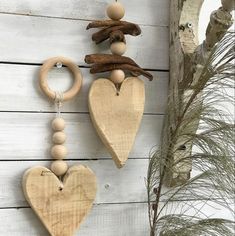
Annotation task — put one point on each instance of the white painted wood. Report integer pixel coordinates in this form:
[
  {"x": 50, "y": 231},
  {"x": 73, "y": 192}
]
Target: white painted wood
[
  {"x": 202, "y": 209},
  {"x": 34, "y": 39},
  {"x": 27, "y": 136},
  {"x": 30, "y": 134},
  {"x": 20, "y": 90},
  {"x": 103, "y": 220},
  {"x": 155, "y": 11},
  {"x": 112, "y": 184}
]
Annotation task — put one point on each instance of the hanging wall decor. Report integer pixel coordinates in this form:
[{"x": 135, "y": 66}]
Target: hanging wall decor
[
  {"x": 61, "y": 196},
  {"x": 116, "y": 104}
]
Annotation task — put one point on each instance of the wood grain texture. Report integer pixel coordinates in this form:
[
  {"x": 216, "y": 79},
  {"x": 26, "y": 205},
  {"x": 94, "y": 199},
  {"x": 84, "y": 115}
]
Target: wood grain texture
[
  {"x": 24, "y": 110},
  {"x": 32, "y": 39},
  {"x": 105, "y": 220},
  {"x": 61, "y": 206},
  {"x": 25, "y": 94},
  {"x": 71, "y": 66},
  {"x": 220, "y": 22},
  {"x": 116, "y": 115},
  {"x": 183, "y": 42},
  {"x": 112, "y": 182},
  {"x": 91, "y": 9},
  {"x": 82, "y": 140}
]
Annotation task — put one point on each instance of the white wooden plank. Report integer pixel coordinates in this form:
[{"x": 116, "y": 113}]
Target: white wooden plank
[
  {"x": 114, "y": 185},
  {"x": 30, "y": 135},
  {"x": 103, "y": 220},
  {"x": 202, "y": 209},
  {"x": 156, "y": 12},
  {"x": 20, "y": 91},
  {"x": 34, "y": 39}
]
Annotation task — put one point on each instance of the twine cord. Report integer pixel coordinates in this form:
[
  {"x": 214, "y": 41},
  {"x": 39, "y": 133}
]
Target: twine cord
[{"x": 59, "y": 97}]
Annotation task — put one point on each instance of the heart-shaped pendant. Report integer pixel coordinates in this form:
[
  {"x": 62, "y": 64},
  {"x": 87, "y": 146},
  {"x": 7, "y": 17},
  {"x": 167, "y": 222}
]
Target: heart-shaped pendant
[
  {"x": 117, "y": 115},
  {"x": 61, "y": 206}
]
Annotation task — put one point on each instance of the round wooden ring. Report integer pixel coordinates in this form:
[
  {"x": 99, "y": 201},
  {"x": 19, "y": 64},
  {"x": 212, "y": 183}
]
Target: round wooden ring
[{"x": 47, "y": 65}]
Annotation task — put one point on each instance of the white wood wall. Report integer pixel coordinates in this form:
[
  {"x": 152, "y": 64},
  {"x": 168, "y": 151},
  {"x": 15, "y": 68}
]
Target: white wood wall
[{"x": 34, "y": 30}]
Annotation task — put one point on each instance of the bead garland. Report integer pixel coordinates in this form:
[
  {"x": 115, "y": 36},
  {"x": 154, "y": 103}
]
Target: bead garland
[
  {"x": 114, "y": 29},
  {"x": 116, "y": 11},
  {"x": 59, "y": 150},
  {"x": 119, "y": 95}
]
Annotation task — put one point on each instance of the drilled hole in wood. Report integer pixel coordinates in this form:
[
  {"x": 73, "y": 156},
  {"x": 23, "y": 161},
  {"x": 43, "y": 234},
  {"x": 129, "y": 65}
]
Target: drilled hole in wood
[
  {"x": 45, "y": 173},
  {"x": 117, "y": 89},
  {"x": 60, "y": 188},
  {"x": 107, "y": 186},
  {"x": 182, "y": 148}
]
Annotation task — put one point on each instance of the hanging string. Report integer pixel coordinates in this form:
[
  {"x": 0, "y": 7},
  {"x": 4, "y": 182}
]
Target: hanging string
[{"x": 59, "y": 97}]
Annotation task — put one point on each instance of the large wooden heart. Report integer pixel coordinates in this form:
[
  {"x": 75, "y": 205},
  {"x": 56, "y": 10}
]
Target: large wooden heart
[
  {"x": 61, "y": 206},
  {"x": 117, "y": 117}
]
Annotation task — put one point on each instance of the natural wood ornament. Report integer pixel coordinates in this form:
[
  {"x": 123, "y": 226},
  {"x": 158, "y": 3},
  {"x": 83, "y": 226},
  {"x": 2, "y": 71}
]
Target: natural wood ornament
[
  {"x": 117, "y": 117},
  {"x": 61, "y": 197},
  {"x": 61, "y": 206},
  {"x": 116, "y": 104}
]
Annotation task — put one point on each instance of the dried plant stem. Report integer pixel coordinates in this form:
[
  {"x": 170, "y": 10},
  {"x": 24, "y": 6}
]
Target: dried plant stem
[{"x": 214, "y": 160}]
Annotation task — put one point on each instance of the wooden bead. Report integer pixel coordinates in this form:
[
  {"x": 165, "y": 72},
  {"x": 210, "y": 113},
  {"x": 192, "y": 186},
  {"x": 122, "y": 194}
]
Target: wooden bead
[
  {"x": 115, "y": 11},
  {"x": 58, "y": 124},
  {"x": 118, "y": 48},
  {"x": 59, "y": 152},
  {"x": 59, "y": 167},
  {"x": 48, "y": 65},
  {"x": 59, "y": 137},
  {"x": 117, "y": 76}
]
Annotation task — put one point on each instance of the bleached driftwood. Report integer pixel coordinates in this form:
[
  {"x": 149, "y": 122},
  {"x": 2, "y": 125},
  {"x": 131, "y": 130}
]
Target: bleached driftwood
[{"x": 186, "y": 60}]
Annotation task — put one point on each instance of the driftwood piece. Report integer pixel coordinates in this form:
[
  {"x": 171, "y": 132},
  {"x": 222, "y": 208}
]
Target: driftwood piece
[
  {"x": 183, "y": 42},
  {"x": 108, "y": 23},
  {"x": 187, "y": 58},
  {"x": 220, "y": 22},
  {"x": 107, "y": 62},
  {"x": 117, "y": 36},
  {"x": 128, "y": 28},
  {"x": 228, "y": 5},
  {"x": 108, "y": 59},
  {"x": 99, "y": 68}
]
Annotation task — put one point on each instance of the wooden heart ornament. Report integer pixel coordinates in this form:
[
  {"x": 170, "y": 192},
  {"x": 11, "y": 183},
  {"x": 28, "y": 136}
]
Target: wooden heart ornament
[
  {"x": 61, "y": 206},
  {"x": 117, "y": 116}
]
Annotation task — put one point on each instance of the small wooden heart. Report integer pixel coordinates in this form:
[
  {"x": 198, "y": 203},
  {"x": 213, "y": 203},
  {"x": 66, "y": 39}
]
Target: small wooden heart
[
  {"x": 61, "y": 206},
  {"x": 117, "y": 116}
]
